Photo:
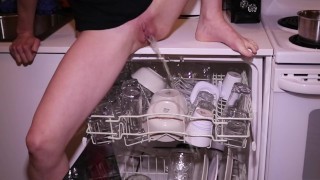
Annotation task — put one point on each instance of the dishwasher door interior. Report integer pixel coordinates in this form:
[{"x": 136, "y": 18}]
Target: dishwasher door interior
[{"x": 147, "y": 151}]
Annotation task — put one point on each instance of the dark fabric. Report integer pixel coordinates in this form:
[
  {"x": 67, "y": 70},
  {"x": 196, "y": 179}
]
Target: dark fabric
[{"x": 106, "y": 14}]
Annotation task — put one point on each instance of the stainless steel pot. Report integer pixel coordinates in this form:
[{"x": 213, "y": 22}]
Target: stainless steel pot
[{"x": 309, "y": 25}]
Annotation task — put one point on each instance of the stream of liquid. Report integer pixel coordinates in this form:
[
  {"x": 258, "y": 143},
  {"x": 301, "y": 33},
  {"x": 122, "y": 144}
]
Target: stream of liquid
[{"x": 154, "y": 45}]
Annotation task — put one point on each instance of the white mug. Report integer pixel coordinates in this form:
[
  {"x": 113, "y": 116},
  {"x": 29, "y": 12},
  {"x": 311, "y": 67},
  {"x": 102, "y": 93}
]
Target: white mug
[
  {"x": 205, "y": 86},
  {"x": 198, "y": 129},
  {"x": 150, "y": 79},
  {"x": 228, "y": 82}
]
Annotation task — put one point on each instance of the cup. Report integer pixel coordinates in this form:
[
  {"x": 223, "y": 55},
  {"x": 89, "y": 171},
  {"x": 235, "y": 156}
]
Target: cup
[
  {"x": 228, "y": 82},
  {"x": 150, "y": 79},
  {"x": 238, "y": 107},
  {"x": 204, "y": 100},
  {"x": 145, "y": 94},
  {"x": 131, "y": 101},
  {"x": 240, "y": 98},
  {"x": 236, "y": 126},
  {"x": 131, "y": 104},
  {"x": 199, "y": 129},
  {"x": 97, "y": 126},
  {"x": 206, "y": 87},
  {"x": 181, "y": 165}
]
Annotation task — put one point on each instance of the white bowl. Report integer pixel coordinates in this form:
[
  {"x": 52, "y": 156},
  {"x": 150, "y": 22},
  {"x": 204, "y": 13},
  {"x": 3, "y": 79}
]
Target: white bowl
[
  {"x": 170, "y": 95},
  {"x": 167, "y": 120},
  {"x": 149, "y": 79}
]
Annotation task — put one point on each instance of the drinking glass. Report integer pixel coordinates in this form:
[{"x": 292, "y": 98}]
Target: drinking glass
[
  {"x": 132, "y": 99},
  {"x": 98, "y": 125},
  {"x": 204, "y": 100},
  {"x": 238, "y": 106},
  {"x": 181, "y": 166}
]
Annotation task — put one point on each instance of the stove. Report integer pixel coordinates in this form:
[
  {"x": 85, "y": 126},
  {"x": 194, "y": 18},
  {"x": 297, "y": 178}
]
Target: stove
[
  {"x": 290, "y": 22},
  {"x": 280, "y": 20},
  {"x": 294, "y": 108}
]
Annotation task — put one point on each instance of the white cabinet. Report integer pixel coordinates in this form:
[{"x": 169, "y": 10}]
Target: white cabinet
[{"x": 21, "y": 89}]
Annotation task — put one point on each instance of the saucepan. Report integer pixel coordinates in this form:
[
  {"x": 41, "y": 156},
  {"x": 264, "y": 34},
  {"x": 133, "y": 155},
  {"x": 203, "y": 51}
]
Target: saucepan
[{"x": 309, "y": 25}]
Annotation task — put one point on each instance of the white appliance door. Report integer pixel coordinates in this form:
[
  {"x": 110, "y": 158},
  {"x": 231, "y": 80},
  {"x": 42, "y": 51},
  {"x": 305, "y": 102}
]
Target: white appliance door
[{"x": 294, "y": 144}]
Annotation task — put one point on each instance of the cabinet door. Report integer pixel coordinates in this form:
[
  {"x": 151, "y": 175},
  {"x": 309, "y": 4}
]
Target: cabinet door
[{"x": 21, "y": 89}]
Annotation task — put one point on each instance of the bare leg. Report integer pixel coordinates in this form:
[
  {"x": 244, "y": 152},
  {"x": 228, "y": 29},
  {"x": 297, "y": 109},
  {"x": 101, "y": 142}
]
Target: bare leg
[
  {"x": 85, "y": 74},
  {"x": 212, "y": 27}
]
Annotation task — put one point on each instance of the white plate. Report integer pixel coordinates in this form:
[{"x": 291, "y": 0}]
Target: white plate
[
  {"x": 214, "y": 165},
  {"x": 229, "y": 165}
]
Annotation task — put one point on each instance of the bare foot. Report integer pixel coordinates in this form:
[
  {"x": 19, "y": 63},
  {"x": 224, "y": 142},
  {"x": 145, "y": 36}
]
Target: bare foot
[{"x": 220, "y": 31}]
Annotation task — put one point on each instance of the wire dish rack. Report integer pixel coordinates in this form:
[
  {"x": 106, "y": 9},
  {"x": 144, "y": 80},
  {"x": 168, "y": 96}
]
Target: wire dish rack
[
  {"x": 108, "y": 129},
  {"x": 156, "y": 167}
]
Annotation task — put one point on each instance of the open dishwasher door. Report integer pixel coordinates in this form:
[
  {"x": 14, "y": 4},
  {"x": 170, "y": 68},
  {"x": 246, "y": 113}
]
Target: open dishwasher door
[{"x": 143, "y": 147}]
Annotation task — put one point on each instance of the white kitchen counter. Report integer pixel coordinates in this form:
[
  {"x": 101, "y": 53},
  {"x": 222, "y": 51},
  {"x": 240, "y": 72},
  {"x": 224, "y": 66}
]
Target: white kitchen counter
[{"x": 181, "y": 41}]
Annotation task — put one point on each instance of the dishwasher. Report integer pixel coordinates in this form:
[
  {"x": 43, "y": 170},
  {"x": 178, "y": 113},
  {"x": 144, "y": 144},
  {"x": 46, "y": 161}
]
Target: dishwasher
[
  {"x": 139, "y": 139},
  {"x": 146, "y": 153}
]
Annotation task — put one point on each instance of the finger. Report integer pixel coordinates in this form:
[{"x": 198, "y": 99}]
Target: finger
[
  {"x": 35, "y": 45},
  {"x": 29, "y": 55},
  {"x": 16, "y": 56},
  {"x": 23, "y": 57}
]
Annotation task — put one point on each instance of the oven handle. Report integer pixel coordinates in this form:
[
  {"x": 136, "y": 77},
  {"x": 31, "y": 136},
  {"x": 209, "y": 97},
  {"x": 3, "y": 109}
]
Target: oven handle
[{"x": 298, "y": 86}]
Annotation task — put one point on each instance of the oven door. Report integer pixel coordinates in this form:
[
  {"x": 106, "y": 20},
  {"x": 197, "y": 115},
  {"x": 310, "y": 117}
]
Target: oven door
[{"x": 294, "y": 125}]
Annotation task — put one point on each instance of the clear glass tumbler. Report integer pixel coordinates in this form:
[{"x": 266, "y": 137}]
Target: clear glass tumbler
[
  {"x": 238, "y": 107},
  {"x": 181, "y": 166}
]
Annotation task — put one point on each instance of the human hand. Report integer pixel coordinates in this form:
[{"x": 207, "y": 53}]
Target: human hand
[{"x": 24, "y": 49}]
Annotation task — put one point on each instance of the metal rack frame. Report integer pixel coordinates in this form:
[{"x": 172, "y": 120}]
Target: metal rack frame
[{"x": 108, "y": 129}]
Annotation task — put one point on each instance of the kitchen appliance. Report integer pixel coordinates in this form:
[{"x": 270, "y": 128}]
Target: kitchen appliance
[
  {"x": 184, "y": 55},
  {"x": 295, "y": 94},
  {"x": 128, "y": 144},
  {"x": 245, "y": 11},
  {"x": 181, "y": 47}
]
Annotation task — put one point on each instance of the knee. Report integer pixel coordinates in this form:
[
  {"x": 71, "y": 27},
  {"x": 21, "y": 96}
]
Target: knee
[
  {"x": 37, "y": 145},
  {"x": 33, "y": 143}
]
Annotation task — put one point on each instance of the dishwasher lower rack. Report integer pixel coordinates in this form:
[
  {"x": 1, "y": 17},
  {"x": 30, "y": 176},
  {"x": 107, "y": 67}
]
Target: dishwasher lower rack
[
  {"x": 108, "y": 129},
  {"x": 156, "y": 167}
]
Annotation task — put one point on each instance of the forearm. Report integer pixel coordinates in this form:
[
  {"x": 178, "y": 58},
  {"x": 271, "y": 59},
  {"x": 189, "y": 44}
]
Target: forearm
[{"x": 26, "y": 12}]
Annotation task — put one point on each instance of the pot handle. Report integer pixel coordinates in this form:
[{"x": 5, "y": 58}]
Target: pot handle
[{"x": 295, "y": 85}]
